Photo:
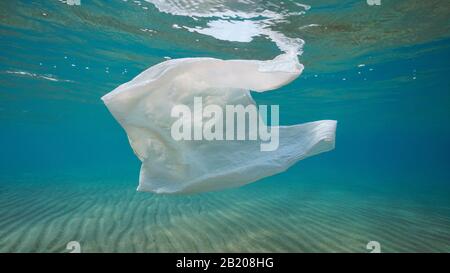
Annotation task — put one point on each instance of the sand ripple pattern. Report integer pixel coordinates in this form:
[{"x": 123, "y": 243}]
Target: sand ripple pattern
[{"x": 266, "y": 218}]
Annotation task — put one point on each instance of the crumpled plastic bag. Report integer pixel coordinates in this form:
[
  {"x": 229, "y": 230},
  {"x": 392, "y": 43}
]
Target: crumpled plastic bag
[{"x": 143, "y": 106}]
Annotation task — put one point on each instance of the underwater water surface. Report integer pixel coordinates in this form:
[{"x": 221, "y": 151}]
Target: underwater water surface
[{"x": 67, "y": 172}]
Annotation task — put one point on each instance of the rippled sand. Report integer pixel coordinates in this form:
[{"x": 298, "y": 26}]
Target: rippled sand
[{"x": 113, "y": 217}]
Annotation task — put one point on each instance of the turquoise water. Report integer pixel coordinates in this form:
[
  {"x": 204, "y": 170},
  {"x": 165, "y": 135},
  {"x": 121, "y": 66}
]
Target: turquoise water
[{"x": 67, "y": 172}]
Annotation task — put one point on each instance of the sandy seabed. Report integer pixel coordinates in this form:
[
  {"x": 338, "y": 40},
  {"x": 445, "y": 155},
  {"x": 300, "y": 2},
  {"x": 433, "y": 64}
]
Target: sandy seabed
[{"x": 112, "y": 217}]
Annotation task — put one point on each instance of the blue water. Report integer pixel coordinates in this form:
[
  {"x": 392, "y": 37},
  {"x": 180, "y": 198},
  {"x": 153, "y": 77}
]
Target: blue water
[{"x": 68, "y": 173}]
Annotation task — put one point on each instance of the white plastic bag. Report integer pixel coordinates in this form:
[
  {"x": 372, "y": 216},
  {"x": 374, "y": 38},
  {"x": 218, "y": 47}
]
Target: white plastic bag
[{"x": 143, "y": 108}]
